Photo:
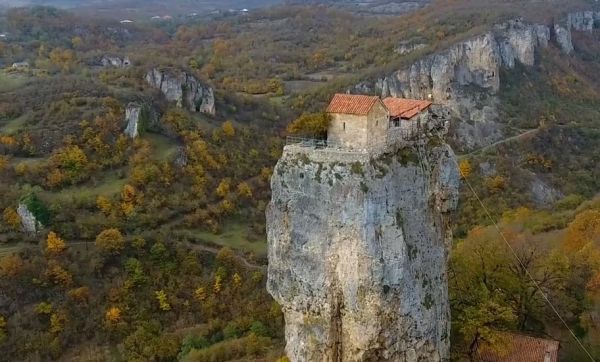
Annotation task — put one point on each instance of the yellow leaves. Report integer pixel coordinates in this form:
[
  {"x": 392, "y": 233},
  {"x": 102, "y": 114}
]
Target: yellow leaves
[
  {"x": 7, "y": 141},
  {"x": 465, "y": 168},
  {"x": 80, "y": 295},
  {"x": 237, "y": 280},
  {"x": 584, "y": 229},
  {"x": 104, "y": 205},
  {"x": 218, "y": 285},
  {"x": 4, "y": 162},
  {"x": 58, "y": 275},
  {"x": 11, "y": 218},
  {"x": 128, "y": 193},
  {"x": 495, "y": 184},
  {"x": 111, "y": 240},
  {"x": 228, "y": 129},
  {"x": 200, "y": 294},
  {"x": 57, "y": 322},
  {"x": 244, "y": 190},
  {"x": 21, "y": 168},
  {"x": 11, "y": 266},
  {"x": 55, "y": 178},
  {"x": 128, "y": 196},
  {"x": 113, "y": 315},
  {"x": 44, "y": 308},
  {"x": 2, "y": 329},
  {"x": 313, "y": 124},
  {"x": 163, "y": 302},
  {"x": 54, "y": 244},
  {"x": 223, "y": 188},
  {"x": 65, "y": 59}
]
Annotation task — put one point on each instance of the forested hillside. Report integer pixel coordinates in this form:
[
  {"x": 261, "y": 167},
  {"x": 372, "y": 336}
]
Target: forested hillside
[{"x": 153, "y": 247}]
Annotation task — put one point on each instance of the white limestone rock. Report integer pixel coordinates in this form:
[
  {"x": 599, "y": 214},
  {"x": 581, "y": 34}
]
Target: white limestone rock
[
  {"x": 358, "y": 254},
  {"x": 184, "y": 89},
  {"x": 563, "y": 38},
  {"x": 30, "y": 224},
  {"x": 132, "y": 118}
]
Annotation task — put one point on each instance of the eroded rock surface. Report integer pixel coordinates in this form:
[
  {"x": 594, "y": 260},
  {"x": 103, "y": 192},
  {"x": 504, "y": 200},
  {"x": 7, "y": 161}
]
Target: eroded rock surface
[
  {"x": 358, "y": 253},
  {"x": 466, "y": 76},
  {"x": 30, "y": 224},
  {"x": 132, "y": 117},
  {"x": 184, "y": 89}
]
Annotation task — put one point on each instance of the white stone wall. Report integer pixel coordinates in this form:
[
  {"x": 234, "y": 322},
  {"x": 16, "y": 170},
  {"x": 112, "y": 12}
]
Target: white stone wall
[
  {"x": 378, "y": 125},
  {"x": 353, "y": 135}
]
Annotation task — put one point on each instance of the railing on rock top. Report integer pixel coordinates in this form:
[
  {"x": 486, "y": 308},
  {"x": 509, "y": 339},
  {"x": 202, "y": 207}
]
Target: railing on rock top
[{"x": 394, "y": 135}]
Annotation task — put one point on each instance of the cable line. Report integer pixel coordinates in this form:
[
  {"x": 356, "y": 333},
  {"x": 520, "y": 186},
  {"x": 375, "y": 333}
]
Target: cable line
[{"x": 489, "y": 215}]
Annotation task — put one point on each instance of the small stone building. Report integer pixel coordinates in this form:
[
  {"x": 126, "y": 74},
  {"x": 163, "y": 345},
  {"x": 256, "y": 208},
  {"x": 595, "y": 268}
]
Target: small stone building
[
  {"x": 357, "y": 121},
  {"x": 362, "y": 122}
]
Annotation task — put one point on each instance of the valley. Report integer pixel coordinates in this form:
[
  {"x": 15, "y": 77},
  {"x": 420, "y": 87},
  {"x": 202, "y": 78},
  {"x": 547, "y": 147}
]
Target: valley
[{"x": 137, "y": 159}]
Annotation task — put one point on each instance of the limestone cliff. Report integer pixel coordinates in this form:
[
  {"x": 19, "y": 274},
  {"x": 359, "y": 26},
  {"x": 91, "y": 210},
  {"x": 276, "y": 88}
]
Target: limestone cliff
[
  {"x": 132, "y": 118},
  {"x": 358, "y": 248},
  {"x": 466, "y": 76},
  {"x": 184, "y": 89},
  {"x": 29, "y": 222}
]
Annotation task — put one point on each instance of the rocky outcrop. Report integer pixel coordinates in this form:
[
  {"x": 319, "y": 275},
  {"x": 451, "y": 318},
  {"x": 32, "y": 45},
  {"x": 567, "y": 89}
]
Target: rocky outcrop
[
  {"x": 114, "y": 61},
  {"x": 563, "y": 38},
  {"x": 184, "y": 89},
  {"x": 30, "y": 224},
  {"x": 133, "y": 113},
  {"x": 466, "y": 77},
  {"x": 358, "y": 253}
]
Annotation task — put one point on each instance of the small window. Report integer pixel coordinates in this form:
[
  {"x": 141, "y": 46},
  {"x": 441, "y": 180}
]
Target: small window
[{"x": 344, "y": 126}]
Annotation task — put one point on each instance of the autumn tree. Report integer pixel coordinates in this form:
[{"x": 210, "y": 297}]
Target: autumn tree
[
  {"x": 584, "y": 229},
  {"x": 223, "y": 188},
  {"x": 163, "y": 301},
  {"x": 104, "y": 204},
  {"x": 3, "y": 332},
  {"x": 228, "y": 129},
  {"x": 54, "y": 244},
  {"x": 465, "y": 168},
  {"x": 310, "y": 124},
  {"x": 11, "y": 265},
  {"x": 11, "y": 218},
  {"x": 113, "y": 315},
  {"x": 244, "y": 190},
  {"x": 111, "y": 241}
]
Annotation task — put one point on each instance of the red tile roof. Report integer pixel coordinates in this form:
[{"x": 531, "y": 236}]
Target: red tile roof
[
  {"x": 352, "y": 104},
  {"x": 405, "y": 108},
  {"x": 521, "y": 348}
]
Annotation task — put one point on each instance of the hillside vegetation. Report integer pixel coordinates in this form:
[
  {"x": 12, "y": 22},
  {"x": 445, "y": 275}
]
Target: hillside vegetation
[{"x": 154, "y": 248}]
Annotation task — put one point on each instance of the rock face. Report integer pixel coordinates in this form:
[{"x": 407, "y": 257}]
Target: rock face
[
  {"x": 466, "y": 77},
  {"x": 184, "y": 89},
  {"x": 358, "y": 251},
  {"x": 132, "y": 117},
  {"x": 28, "y": 220},
  {"x": 114, "y": 61}
]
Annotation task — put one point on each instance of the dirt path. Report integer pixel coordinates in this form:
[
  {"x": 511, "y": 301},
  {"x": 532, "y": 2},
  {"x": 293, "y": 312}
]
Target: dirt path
[{"x": 520, "y": 135}]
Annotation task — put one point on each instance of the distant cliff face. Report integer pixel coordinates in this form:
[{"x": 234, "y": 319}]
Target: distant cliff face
[
  {"x": 184, "y": 89},
  {"x": 466, "y": 77},
  {"x": 358, "y": 251}
]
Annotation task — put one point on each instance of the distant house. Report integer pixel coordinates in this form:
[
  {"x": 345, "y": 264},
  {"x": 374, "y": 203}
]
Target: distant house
[
  {"x": 362, "y": 122},
  {"x": 21, "y": 65},
  {"x": 126, "y": 21},
  {"x": 521, "y": 348},
  {"x": 357, "y": 121}
]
